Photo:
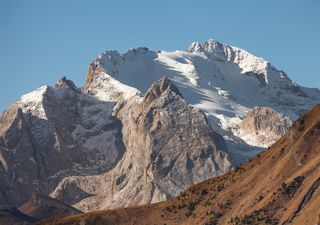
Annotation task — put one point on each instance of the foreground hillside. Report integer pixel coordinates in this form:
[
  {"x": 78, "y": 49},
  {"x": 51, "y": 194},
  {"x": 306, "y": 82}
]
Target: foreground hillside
[{"x": 279, "y": 186}]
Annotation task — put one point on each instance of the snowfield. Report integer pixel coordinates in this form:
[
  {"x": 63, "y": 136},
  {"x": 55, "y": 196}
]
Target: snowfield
[{"x": 223, "y": 81}]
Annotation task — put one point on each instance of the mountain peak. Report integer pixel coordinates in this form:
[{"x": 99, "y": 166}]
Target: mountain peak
[
  {"x": 210, "y": 46},
  {"x": 195, "y": 47},
  {"x": 213, "y": 46},
  {"x": 160, "y": 87},
  {"x": 65, "y": 83}
]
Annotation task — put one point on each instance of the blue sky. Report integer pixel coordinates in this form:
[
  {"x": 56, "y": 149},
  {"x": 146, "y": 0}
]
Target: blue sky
[{"x": 41, "y": 40}]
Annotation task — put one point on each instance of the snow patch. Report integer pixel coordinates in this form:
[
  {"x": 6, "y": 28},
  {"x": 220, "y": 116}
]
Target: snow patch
[{"x": 33, "y": 102}]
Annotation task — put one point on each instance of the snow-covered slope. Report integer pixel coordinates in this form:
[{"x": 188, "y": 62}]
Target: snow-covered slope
[{"x": 223, "y": 81}]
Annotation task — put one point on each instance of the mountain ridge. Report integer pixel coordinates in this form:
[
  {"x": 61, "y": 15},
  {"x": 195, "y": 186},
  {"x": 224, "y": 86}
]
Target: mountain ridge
[
  {"x": 223, "y": 81},
  {"x": 279, "y": 186}
]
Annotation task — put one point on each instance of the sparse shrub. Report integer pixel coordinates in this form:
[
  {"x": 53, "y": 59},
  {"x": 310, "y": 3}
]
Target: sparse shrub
[{"x": 204, "y": 192}]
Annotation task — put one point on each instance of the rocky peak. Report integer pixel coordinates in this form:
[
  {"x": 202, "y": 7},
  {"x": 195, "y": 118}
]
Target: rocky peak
[
  {"x": 195, "y": 47},
  {"x": 57, "y": 132},
  {"x": 158, "y": 88},
  {"x": 263, "y": 126},
  {"x": 138, "y": 50},
  {"x": 93, "y": 69},
  {"x": 169, "y": 145},
  {"x": 213, "y": 46},
  {"x": 65, "y": 83}
]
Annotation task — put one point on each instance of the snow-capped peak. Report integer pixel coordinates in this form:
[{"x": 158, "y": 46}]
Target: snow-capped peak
[
  {"x": 105, "y": 88},
  {"x": 33, "y": 102},
  {"x": 215, "y": 47},
  {"x": 195, "y": 47},
  {"x": 222, "y": 80}
]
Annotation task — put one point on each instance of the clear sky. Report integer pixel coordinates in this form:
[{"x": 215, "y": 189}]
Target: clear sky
[{"x": 41, "y": 40}]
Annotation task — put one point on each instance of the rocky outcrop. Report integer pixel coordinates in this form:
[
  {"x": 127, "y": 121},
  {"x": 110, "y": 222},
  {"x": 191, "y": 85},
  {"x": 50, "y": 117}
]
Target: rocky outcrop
[
  {"x": 51, "y": 133},
  {"x": 263, "y": 126},
  {"x": 65, "y": 83},
  {"x": 169, "y": 146}
]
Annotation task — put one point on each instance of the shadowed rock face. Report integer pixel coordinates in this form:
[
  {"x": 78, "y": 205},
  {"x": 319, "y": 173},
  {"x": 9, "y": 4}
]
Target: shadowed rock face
[
  {"x": 169, "y": 146},
  {"x": 65, "y": 83},
  {"x": 53, "y": 133}
]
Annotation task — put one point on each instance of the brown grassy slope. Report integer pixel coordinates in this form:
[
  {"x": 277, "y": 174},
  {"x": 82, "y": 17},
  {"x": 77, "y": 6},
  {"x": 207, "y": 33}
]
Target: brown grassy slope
[{"x": 279, "y": 186}]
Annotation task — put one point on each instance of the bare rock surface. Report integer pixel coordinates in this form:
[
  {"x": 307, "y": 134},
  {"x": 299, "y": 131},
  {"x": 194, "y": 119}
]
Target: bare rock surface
[
  {"x": 107, "y": 150},
  {"x": 169, "y": 146},
  {"x": 52, "y": 133},
  {"x": 263, "y": 126}
]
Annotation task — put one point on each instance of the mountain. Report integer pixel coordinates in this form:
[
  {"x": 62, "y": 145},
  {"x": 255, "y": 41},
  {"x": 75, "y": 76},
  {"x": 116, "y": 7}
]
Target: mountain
[
  {"x": 76, "y": 148},
  {"x": 169, "y": 146},
  {"x": 145, "y": 126},
  {"x": 52, "y": 133},
  {"x": 278, "y": 186},
  {"x": 223, "y": 81}
]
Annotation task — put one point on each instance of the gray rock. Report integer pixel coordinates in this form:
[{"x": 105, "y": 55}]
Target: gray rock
[
  {"x": 169, "y": 146},
  {"x": 263, "y": 126},
  {"x": 102, "y": 154},
  {"x": 50, "y": 134}
]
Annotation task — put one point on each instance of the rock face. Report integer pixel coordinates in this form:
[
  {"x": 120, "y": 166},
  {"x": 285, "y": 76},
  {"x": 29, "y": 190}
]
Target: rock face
[
  {"x": 169, "y": 146},
  {"x": 263, "y": 126},
  {"x": 53, "y": 133},
  {"x": 64, "y": 82},
  {"x": 279, "y": 186},
  {"x": 78, "y": 148}
]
